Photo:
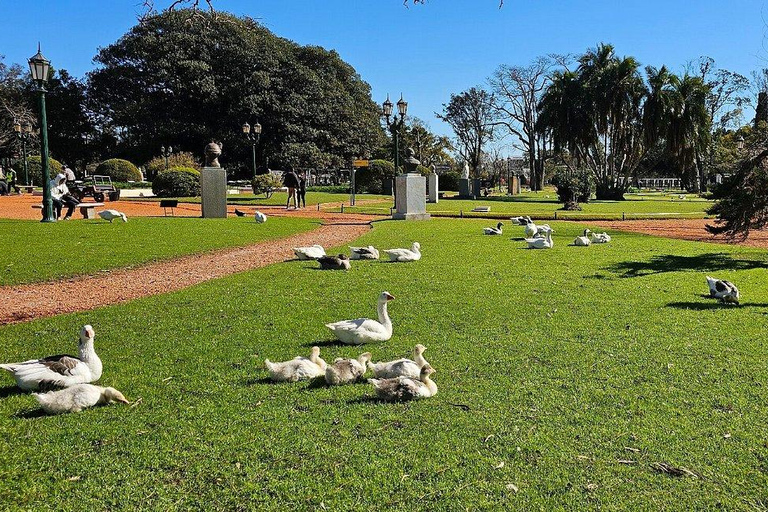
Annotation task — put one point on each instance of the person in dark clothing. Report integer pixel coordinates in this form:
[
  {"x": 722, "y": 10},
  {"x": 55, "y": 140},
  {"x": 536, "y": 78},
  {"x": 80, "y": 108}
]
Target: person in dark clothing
[
  {"x": 10, "y": 179},
  {"x": 291, "y": 182},
  {"x": 302, "y": 190}
]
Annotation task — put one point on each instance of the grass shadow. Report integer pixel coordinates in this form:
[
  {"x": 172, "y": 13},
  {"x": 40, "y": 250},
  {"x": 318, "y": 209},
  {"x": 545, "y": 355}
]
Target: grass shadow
[
  {"x": 715, "y": 304},
  {"x": 255, "y": 382},
  {"x": 10, "y": 391},
  {"x": 325, "y": 343},
  {"x": 711, "y": 262},
  {"x": 365, "y": 399},
  {"x": 30, "y": 414}
]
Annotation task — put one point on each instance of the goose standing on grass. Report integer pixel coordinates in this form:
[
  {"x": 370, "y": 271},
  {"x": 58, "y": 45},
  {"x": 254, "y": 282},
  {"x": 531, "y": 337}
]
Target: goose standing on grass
[
  {"x": 111, "y": 215},
  {"x": 365, "y": 330},
  {"x": 541, "y": 243},
  {"x": 401, "y": 389},
  {"x": 598, "y": 238},
  {"x": 59, "y": 371},
  {"x": 340, "y": 262},
  {"x": 346, "y": 371},
  {"x": 530, "y": 229},
  {"x": 314, "y": 252},
  {"x": 298, "y": 368},
  {"x": 403, "y": 255},
  {"x": 726, "y": 291},
  {"x": 582, "y": 241},
  {"x": 77, "y": 398},
  {"x": 493, "y": 231},
  {"x": 401, "y": 367},
  {"x": 364, "y": 253},
  {"x": 260, "y": 217}
]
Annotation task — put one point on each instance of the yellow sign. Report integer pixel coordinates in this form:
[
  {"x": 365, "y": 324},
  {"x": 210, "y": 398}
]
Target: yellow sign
[{"x": 360, "y": 163}]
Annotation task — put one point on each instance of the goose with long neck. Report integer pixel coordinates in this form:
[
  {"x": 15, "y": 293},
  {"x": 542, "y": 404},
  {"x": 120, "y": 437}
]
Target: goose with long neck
[
  {"x": 541, "y": 243},
  {"x": 59, "y": 371},
  {"x": 401, "y": 389},
  {"x": 365, "y": 330},
  {"x": 401, "y": 367}
]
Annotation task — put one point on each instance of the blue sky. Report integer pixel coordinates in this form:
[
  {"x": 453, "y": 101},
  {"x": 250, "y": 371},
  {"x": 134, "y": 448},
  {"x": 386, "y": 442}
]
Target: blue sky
[{"x": 427, "y": 52}]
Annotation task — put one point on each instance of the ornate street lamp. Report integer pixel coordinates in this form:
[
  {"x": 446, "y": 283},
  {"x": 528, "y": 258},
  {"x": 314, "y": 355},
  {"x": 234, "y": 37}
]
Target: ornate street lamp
[
  {"x": 740, "y": 143},
  {"x": 39, "y": 68},
  {"x": 166, "y": 152},
  {"x": 395, "y": 124},
  {"x": 23, "y": 133},
  {"x": 253, "y": 135}
]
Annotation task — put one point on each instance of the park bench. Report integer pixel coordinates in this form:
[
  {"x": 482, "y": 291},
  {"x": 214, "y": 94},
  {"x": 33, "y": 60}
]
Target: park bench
[
  {"x": 481, "y": 209},
  {"x": 87, "y": 210},
  {"x": 168, "y": 203}
]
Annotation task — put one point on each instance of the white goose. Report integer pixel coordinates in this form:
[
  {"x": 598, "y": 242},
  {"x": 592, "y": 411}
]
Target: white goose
[
  {"x": 520, "y": 221},
  {"x": 401, "y": 367},
  {"x": 582, "y": 241},
  {"x": 726, "y": 291},
  {"x": 77, "y": 398},
  {"x": 493, "y": 231},
  {"x": 365, "y": 330},
  {"x": 298, "y": 368},
  {"x": 59, "y": 371},
  {"x": 364, "y": 253},
  {"x": 541, "y": 243},
  {"x": 346, "y": 371},
  {"x": 401, "y": 389},
  {"x": 111, "y": 215},
  {"x": 598, "y": 238},
  {"x": 314, "y": 252},
  {"x": 260, "y": 217},
  {"x": 403, "y": 255},
  {"x": 530, "y": 229},
  {"x": 540, "y": 230}
]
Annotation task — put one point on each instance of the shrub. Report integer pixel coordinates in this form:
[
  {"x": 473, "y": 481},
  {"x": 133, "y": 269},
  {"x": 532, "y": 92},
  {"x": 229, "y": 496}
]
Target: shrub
[
  {"x": 265, "y": 184},
  {"x": 370, "y": 179},
  {"x": 177, "y": 182},
  {"x": 181, "y": 159},
  {"x": 449, "y": 181},
  {"x": 330, "y": 189},
  {"x": 119, "y": 170},
  {"x": 573, "y": 185},
  {"x": 35, "y": 169},
  {"x": 423, "y": 170}
]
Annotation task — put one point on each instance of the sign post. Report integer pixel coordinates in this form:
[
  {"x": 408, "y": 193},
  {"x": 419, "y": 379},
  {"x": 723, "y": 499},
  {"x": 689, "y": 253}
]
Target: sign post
[{"x": 355, "y": 165}]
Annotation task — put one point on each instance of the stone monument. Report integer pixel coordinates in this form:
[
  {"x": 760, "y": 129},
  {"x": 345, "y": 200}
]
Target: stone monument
[
  {"x": 464, "y": 189},
  {"x": 213, "y": 184},
  {"x": 432, "y": 191},
  {"x": 411, "y": 192}
]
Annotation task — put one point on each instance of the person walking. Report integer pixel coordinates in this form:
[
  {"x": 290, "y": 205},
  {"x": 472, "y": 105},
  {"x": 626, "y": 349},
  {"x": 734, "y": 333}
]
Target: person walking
[
  {"x": 10, "y": 180},
  {"x": 70, "y": 174},
  {"x": 302, "y": 190},
  {"x": 291, "y": 182},
  {"x": 61, "y": 196}
]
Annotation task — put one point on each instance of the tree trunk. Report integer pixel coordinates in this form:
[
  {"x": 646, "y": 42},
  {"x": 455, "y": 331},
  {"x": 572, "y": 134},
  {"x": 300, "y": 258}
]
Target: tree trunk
[{"x": 608, "y": 192}]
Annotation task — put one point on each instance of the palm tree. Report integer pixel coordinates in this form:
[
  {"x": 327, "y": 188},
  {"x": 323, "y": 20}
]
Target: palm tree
[{"x": 689, "y": 128}]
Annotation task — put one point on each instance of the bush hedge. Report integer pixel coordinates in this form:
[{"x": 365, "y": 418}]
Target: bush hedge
[
  {"x": 35, "y": 169},
  {"x": 265, "y": 184},
  {"x": 119, "y": 170},
  {"x": 181, "y": 159},
  {"x": 449, "y": 181},
  {"x": 573, "y": 185},
  {"x": 370, "y": 179},
  {"x": 177, "y": 182}
]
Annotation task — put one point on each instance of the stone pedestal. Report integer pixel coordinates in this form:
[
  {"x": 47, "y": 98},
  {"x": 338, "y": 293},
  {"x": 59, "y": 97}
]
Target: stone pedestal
[
  {"x": 464, "y": 191},
  {"x": 514, "y": 185},
  {"x": 476, "y": 189},
  {"x": 410, "y": 197},
  {"x": 213, "y": 189},
  {"x": 432, "y": 188}
]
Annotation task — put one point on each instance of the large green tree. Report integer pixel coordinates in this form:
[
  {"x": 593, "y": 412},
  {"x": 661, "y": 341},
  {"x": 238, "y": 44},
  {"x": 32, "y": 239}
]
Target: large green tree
[
  {"x": 470, "y": 114},
  {"x": 172, "y": 82}
]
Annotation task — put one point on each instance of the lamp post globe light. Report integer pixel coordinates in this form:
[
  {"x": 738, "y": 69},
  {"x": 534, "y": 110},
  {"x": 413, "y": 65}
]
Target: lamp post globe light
[
  {"x": 395, "y": 124},
  {"x": 39, "y": 68},
  {"x": 23, "y": 133},
  {"x": 166, "y": 152},
  {"x": 252, "y": 134},
  {"x": 740, "y": 143}
]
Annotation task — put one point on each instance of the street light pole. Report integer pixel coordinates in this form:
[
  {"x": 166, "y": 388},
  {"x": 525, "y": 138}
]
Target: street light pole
[
  {"x": 23, "y": 133},
  {"x": 166, "y": 152},
  {"x": 395, "y": 125},
  {"x": 253, "y": 135},
  {"x": 39, "y": 67}
]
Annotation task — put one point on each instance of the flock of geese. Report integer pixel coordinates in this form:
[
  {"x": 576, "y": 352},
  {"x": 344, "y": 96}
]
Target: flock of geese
[
  {"x": 341, "y": 261},
  {"x": 540, "y": 237}
]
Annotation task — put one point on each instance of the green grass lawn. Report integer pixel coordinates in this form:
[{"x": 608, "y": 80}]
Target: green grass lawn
[
  {"x": 564, "y": 374},
  {"x": 38, "y": 252},
  {"x": 278, "y": 199}
]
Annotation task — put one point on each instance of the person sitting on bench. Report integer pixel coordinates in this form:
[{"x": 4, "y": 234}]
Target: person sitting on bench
[{"x": 61, "y": 196}]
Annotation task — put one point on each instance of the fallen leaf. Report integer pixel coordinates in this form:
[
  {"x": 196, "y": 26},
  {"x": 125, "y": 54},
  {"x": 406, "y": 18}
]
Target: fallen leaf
[
  {"x": 591, "y": 487},
  {"x": 512, "y": 487},
  {"x": 663, "y": 467},
  {"x": 630, "y": 449},
  {"x": 74, "y": 478},
  {"x": 625, "y": 461},
  {"x": 487, "y": 438},
  {"x": 136, "y": 402},
  {"x": 499, "y": 465},
  {"x": 727, "y": 436},
  {"x": 167, "y": 379}
]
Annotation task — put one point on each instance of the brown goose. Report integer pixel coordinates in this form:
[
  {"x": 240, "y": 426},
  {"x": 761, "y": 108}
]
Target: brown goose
[
  {"x": 340, "y": 262},
  {"x": 401, "y": 389}
]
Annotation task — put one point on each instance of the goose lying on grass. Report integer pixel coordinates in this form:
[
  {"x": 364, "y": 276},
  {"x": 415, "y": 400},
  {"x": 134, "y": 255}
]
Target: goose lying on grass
[
  {"x": 340, "y": 262},
  {"x": 520, "y": 221},
  {"x": 541, "y": 243},
  {"x": 314, "y": 252},
  {"x": 401, "y": 367},
  {"x": 77, "y": 398},
  {"x": 111, "y": 215},
  {"x": 401, "y": 389},
  {"x": 59, "y": 371},
  {"x": 725, "y": 291},
  {"x": 582, "y": 241},
  {"x": 403, "y": 255},
  {"x": 365, "y": 330},
  {"x": 346, "y": 371},
  {"x": 298, "y": 368},
  {"x": 493, "y": 231},
  {"x": 541, "y": 230},
  {"x": 598, "y": 238},
  {"x": 260, "y": 217},
  {"x": 364, "y": 253}
]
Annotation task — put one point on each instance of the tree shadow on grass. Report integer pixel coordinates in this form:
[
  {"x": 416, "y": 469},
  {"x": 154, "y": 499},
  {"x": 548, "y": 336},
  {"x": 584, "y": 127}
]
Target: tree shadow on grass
[
  {"x": 255, "y": 382},
  {"x": 707, "y": 306},
  {"x": 326, "y": 343},
  {"x": 711, "y": 262},
  {"x": 10, "y": 391},
  {"x": 30, "y": 414},
  {"x": 366, "y": 399}
]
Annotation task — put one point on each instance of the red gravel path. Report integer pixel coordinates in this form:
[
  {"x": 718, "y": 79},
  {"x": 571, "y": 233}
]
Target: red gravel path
[{"x": 684, "y": 229}]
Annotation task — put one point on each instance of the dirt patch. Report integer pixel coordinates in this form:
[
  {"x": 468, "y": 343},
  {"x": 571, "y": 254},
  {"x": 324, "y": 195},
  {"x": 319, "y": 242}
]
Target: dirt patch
[{"x": 684, "y": 229}]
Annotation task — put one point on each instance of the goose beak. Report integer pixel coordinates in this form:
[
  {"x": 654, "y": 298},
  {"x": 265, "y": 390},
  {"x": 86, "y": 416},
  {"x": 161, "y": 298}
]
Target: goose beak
[{"x": 390, "y": 297}]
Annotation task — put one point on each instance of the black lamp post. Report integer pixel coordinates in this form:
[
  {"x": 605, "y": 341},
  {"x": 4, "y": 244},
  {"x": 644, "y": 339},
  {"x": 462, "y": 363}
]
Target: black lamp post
[
  {"x": 166, "y": 152},
  {"x": 40, "y": 67},
  {"x": 395, "y": 124},
  {"x": 740, "y": 143},
  {"x": 22, "y": 133},
  {"x": 253, "y": 135}
]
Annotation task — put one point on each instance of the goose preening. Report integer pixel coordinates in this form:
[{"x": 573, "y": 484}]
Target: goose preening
[
  {"x": 365, "y": 330},
  {"x": 402, "y": 255},
  {"x": 77, "y": 398},
  {"x": 59, "y": 371},
  {"x": 401, "y": 367},
  {"x": 314, "y": 252},
  {"x": 541, "y": 230},
  {"x": 364, "y": 253},
  {"x": 298, "y": 368},
  {"x": 597, "y": 238},
  {"x": 520, "y": 221},
  {"x": 401, "y": 389},
  {"x": 541, "y": 243},
  {"x": 340, "y": 262},
  {"x": 530, "y": 229},
  {"x": 239, "y": 213},
  {"x": 726, "y": 291},
  {"x": 346, "y": 371},
  {"x": 493, "y": 231},
  {"x": 260, "y": 217},
  {"x": 582, "y": 241},
  {"x": 111, "y": 215}
]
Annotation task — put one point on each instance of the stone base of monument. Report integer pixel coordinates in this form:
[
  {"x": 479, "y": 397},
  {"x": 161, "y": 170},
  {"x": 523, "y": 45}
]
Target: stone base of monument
[
  {"x": 432, "y": 193},
  {"x": 464, "y": 189},
  {"x": 213, "y": 189},
  {"x": 410, "y": 197}
]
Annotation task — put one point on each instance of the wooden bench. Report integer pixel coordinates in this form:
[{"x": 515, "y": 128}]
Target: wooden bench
[{"x": 87, "y": 210}]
